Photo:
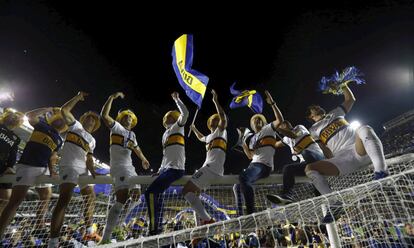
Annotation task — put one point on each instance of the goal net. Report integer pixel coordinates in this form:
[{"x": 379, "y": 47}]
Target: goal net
[{"x": 376, "y": 214}]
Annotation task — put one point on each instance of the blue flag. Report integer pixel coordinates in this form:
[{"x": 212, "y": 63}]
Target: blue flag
[
  {"x": 334, "y": 83},
  {"x": 193, "y": 82},
  {"x": 249, "y": 98}
]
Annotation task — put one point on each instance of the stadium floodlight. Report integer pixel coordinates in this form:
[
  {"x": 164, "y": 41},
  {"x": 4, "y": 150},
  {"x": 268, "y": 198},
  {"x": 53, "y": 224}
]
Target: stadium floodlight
[
  {"x": 6, "y": 96},
  {"x": 355, "y": 124},
  {"x": 400, "y": 75}
]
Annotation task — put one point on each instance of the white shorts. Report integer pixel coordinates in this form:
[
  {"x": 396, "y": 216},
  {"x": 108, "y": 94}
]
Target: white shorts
[
  {"x": 26, "y": 175},
  {"x": 348, "y": 160},
  {"x": 69, "y": 174},
  {"x": 121, "y": 177},
  {"x": 203, "y": 178},
  {"x": 44, "y": 185}
]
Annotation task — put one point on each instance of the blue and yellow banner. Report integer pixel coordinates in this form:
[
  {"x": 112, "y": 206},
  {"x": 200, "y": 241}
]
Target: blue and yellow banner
[
  {"x": 193, "y": 82},
  {"x": 249, "y": 98}
]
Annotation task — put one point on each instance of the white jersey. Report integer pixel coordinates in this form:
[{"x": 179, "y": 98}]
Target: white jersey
[
  {"x": 173, "y": 148},
  {"x": 122, "y": 141},
  {"x": 263, "y": 145},
  {"x": 216, "y": 145},
  {"x": 302, "y": 142},
  {"x": 333, "y": 130},
  {"x": 173, "y": 141},
  {"x": 77, "y": 145}
]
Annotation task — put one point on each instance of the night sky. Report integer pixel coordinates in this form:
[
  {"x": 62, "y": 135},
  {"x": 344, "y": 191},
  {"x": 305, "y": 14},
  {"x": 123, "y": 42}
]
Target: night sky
[{"x": 50, "y": 51}]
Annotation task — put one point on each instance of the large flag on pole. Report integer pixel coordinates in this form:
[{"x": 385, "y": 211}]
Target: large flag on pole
[
  {"x": 249, "y": 98},
  {"x": 193, "y": 82}
]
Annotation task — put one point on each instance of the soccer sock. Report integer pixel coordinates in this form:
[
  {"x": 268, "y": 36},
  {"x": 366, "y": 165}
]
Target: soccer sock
[
  {"x": 319, "y": 181},
  {"x": 373, "y": 147},
  {"x": 53, "y": 243},
  {"x": 113, "y": 217},
  {"x": 197, "y": 205}
]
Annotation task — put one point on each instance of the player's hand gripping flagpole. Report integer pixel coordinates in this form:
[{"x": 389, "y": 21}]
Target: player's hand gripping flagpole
[{"x": 193, "y": 82}]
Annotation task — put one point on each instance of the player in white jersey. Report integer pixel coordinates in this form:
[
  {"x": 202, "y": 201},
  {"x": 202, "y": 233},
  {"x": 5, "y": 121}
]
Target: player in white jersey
[
  {"x": 76, "y": 160},
  {"x": 346, "y": 150},
  {"x": 213, "y": 167},
  {"x": 304, "y": 147},
  {"x": 123, "y": 143},
  {"x": 260, "y": 149},
  {"x": 173, "y": 161}
]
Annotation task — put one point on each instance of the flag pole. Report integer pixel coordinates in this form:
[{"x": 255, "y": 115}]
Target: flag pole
[{"x": 192, "y": 123}]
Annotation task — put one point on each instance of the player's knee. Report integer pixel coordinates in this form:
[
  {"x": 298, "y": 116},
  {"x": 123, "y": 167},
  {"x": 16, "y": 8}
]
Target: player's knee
[
  {"x": 364, "y": 131},
  {"x": 45, "y": 194},
  {"x": 310, "y": 167},
  {"x": 186, "y": 189}
]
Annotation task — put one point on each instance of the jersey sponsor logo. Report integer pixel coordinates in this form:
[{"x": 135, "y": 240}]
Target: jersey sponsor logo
[
  {"x": 303, "y": 143},
  {"x": 6, "y": 139},
  {"x": 75, "y": 139},
  {"x": 44, "y": 139},
  {"x": 217, "y": 143},
  {"x": 175, "y": 139},
  {"x": 265, "y": 141},
  {"x": 332, "y": 128},
  {"x": 117, "y": 139}
]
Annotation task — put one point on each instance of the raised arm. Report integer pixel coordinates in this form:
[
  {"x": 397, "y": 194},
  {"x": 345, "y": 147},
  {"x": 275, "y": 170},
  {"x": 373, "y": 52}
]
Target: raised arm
[
  {"x": 223, "y": 119},
  {"x": 199, "y": 135},
  {"x": 33, "y": 116},
  {"x": 68, "y": 106},
  {"x": 107, "y": 108},
  {"x": 276, "y": 111},
  {"x": 287, "y": 132},
  {"x": 349, "y": 98},
  {"x": 181, "y": 107}
]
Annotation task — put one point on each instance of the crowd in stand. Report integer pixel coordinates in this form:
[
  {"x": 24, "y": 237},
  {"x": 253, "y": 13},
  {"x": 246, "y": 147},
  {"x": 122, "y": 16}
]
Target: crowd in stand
[{"x": 399, "y": 139}]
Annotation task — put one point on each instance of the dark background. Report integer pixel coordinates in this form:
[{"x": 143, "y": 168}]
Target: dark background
[{"x": 51, "y": 50}]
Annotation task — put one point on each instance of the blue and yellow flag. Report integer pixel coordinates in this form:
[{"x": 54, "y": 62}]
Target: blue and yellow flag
[
  {"x": 249, "y": 98},
  {"x": 193, "y": 82},
  {"x": 335, "y": 83}
]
